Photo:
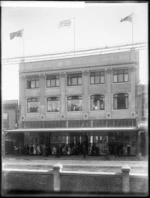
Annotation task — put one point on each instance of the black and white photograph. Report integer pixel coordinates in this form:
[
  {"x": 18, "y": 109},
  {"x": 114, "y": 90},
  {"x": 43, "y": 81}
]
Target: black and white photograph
[{"x": 74, "y": 98}]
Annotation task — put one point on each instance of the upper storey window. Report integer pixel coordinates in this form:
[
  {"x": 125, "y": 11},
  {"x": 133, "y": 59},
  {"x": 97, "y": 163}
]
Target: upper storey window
[
  {"x": 121, "y": 101},
  {"x": 33, "y": 82},
  {"x": 121, "y": 75},
  {"x": 97, "y": 102},
  {"x": 74, "y": 79},
  {"x": 33, "y": 105},
  {"x": 97, "y": 77},
  {"x": 53, "y": 104},
  {"x": 52, "y": 81},
  {"x": 75, "y": 103}
]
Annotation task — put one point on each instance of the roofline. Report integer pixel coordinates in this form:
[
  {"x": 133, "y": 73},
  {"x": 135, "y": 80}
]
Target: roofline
[{"x": 92, "y": 129}]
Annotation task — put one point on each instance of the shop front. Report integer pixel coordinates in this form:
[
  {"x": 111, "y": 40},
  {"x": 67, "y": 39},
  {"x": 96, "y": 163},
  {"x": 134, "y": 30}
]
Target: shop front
[{"x": 70, "y": 141}]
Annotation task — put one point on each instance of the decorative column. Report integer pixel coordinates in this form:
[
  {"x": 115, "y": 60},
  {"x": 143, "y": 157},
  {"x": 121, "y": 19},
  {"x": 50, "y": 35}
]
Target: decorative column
[
  {"x": 108, "y": 99},
  {"x": 56, "y": 172},
  {"x": 22, "y": 98},
  {"x": 85, "y": 103},
  {"x": 63, "y": 95},
  {"x": 42, "y": 95},
  {"x": 133, "y": 86},
  {"x": 125, "y": 179}
]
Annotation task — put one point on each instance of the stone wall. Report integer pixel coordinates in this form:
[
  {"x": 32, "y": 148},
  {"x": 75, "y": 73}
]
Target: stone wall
[{"x": 61, "y": 181}]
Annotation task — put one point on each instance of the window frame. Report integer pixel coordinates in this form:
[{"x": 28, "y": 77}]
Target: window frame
[
  {"x": 57, "y": 98},
  {"x": 120, "y": 72},
  {"x": 35, "y": 80},
  {"x": 77, "y": 75},
  {"x": 73, "y": 98},
  {"x": 101, "y": 96},
  {"x": 115, "y": 101},
  {"x": 99, "y": 74},
  {"x": 52, "y": 77},
  {"x": 30, "y": 100}
]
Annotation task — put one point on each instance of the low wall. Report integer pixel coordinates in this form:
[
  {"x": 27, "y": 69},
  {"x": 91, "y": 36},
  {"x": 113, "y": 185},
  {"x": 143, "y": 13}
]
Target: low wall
[
  {"x": 27, "y": 181},
  {"x": 61, "y": 181}
]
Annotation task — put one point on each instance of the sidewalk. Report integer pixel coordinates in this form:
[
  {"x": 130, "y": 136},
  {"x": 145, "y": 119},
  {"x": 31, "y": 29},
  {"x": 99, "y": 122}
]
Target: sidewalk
[{"x": 76, "y": 161}]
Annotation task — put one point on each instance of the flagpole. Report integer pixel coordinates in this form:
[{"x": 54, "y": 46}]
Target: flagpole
[
  {"x": 74, "y": 36},
  {"x": 132, "y": 29},
  {"x": 23, "y": 46}
]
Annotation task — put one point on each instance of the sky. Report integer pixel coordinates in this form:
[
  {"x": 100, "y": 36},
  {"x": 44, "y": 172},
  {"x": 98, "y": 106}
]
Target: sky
[{"x": 93, "y": 25}]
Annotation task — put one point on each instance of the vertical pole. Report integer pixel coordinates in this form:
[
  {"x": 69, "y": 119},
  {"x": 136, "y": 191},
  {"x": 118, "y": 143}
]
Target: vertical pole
[
  {"x": 132, "y": 29},
  {"x": 23, "y": 47},
  {"x": 74, "y": 36}
]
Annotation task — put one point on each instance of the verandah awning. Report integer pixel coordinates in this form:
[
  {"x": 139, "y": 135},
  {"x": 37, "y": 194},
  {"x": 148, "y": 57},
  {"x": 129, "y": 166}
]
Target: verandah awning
[{"x": 92, "y": 129}]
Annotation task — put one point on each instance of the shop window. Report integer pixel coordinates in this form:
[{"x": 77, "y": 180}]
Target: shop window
[
  {"x": 121, "y": 75},
  {"x": 97, "y": 77},
  {"x": 33, "y": 105},
  {"x": 33, "y": 82},
  {"x": 74, "y": 79},
  {"x": 53, "y": 104},
  {"x": 121, "y": 101},
  {"x": 75, "y": 103},
  {"x": 97, "y": 102},
  {"x": 52, "y": 81}
]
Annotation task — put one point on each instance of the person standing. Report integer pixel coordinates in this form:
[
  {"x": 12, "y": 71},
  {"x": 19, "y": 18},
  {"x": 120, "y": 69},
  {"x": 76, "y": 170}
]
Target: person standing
[{"x": 84, "y": 151}]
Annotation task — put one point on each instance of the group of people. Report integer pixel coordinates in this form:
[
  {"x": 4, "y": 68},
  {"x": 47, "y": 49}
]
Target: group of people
[
  {"x": 50, "y": 149},
  {"x": 71, "y": 149}
]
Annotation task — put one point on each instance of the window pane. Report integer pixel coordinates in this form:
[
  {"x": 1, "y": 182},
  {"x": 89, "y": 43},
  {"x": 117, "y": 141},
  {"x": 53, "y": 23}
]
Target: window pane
[
  {"x": 32, "y": 84},
  {"x": 79, "y": 80},
  {"x": 97, "y": 102},
  {"x": 102, "y": 79},
  {"x": 92, "y": 79},
  {"x": 74, "y": 81},
  {"x": 69, "y": 81},
  {"x": 120, "y": 78},
  {"x": 125, "y": 77},
  {"x": 48, "y": 83},
  {"x": 115, "y": 78},
  {"x": 33, "y": 106},
  {"x": 74, "y": 104},
  {"x": 57, "y": 82},
  {"x": 37, "y": 84},
  {"x": 96, "y": 79},
  {"x": 52, "y": 82}
]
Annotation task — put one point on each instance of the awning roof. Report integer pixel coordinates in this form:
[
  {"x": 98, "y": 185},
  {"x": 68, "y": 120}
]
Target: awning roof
[
  {"x": 94, "y": 129},
  {"x": 143, "y": 125}
]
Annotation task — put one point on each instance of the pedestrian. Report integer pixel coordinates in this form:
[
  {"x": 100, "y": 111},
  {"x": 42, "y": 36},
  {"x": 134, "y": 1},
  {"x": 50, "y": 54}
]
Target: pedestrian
[
  {"x": 107, "y": 152},
  {"x": 84, "y": 151},
  {"x": 128, "y": 150}
]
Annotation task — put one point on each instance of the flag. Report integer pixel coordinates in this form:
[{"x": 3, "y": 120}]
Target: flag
[
  {"x": 16, "y": 34},
  {"x": 65, "y": 23},
  {"x": 128, "y": 18}
]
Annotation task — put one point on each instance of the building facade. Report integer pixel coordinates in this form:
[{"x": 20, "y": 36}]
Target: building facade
[
  {"x": 97, "y": 90},
  {"x": 10, "y": 117}
]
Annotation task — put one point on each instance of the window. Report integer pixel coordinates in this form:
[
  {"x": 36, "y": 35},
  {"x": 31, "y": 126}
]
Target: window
[
  {"x": 121, "y": 75},
  {"x": 97, "y": 77},
  {"x": 97, "y": 102},
  {"x": 75, "y": 103},
  {"x": 52, "y": 81},
  {"x": 74, "y": 79},
  {"x": 33, "y": 82},
  {"x": 121, "y": 101},
  {"x": 33, "y": 105},
  {"x": 53, "y": 104},
  {"x": 5, "y": 120}
]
